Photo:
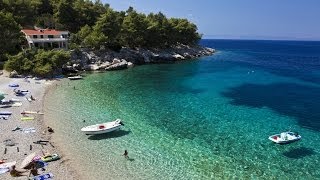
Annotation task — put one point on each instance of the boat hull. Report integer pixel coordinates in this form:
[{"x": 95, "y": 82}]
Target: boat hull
[
  {"x": 289, "y": 138},
  {"x": 75, "y": 77},
  {"x": 102, "y": 128},
  {"x": 102, "y": 131}
]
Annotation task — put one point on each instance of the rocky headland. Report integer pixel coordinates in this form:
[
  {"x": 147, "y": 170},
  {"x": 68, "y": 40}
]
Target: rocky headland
[{"x": 108, "y": 60}]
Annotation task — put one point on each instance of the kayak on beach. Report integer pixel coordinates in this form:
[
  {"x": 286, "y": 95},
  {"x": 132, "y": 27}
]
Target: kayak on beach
[
  {"x": 5, "y": 113},
  {"x": 27, "y": 118},
  {"x": 13, "y": 85},
  {"x": 32, "y": 112}
]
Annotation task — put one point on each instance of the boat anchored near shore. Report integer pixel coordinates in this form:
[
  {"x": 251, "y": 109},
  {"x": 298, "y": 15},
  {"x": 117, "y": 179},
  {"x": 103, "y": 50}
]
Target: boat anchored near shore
[
  {"x": 103, "y": 128},
  {"x": 285, "y": 137},
  {"x": 75, "y": 77}
]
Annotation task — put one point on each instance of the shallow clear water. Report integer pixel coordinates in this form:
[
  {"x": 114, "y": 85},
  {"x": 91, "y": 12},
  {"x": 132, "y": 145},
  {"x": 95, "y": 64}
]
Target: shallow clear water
[{"x": 203, "y": 119}]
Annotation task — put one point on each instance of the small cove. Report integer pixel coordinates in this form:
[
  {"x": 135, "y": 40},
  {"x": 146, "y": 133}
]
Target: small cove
[{"x": 202, "y": 119}]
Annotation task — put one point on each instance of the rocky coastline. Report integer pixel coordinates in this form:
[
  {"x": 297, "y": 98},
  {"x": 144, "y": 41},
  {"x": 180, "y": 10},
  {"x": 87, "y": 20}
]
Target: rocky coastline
[{"x": 108, "y": 60}]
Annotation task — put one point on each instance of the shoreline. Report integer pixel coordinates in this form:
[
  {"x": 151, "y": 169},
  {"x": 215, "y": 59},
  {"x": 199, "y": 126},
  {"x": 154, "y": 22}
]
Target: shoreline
[
  {"x": 109, "y": 60},
  {"x": 67, "y": 166},
  {"x": 24, "y": 145}
]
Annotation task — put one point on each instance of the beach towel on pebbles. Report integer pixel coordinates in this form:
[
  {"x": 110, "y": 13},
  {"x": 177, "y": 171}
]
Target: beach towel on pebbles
[{"x": 29, "y": 130}]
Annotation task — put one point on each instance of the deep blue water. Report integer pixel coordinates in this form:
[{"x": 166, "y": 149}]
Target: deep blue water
[
  {"x": 202, "y": 119},
  {"x": 299, "y": 60}
]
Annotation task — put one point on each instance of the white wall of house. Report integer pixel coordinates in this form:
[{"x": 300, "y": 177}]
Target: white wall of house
[{"x": 48, "y": 41}]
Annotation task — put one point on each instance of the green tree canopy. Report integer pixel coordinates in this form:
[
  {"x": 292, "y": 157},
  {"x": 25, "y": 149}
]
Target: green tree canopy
[
  {"x": 133, "y": 30},
  {"x": 94, "y": 24},
  {"x": 10, "y": 35},
  {"x": 109, "y": 24},
  {"x": 37, "y": 62},
  {"x": 65, "y": 15}
]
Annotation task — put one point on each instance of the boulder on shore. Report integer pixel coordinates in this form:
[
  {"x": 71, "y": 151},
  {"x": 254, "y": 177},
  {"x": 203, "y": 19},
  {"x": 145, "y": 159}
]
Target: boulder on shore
[{"x": 123, "y": 64}]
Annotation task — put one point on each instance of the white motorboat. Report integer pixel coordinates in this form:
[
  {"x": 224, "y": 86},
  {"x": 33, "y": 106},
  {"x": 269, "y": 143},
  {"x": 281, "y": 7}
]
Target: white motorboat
[
  {"x": 285, "y": 137},
  {"x": 75, "y": 77},
  {"x": 102, "y": 128}
]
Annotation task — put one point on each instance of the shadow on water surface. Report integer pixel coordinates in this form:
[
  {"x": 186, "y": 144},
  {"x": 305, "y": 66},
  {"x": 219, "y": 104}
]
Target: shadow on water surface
[
  {"x": 299, "y": 101},
  {"x": 299, "y": 153},
  {"x": 110, "y": 135}
]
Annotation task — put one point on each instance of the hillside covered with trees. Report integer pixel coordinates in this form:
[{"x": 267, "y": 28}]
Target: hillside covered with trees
[{"x": 91, "y": 24}]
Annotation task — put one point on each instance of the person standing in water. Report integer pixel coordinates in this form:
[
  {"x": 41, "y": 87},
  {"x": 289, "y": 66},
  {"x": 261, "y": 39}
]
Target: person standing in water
[{"x": 126, "y": 154}]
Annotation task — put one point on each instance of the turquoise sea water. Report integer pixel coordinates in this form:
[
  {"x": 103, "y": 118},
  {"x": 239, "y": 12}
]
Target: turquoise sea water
[{"x": 203, "y": 119}]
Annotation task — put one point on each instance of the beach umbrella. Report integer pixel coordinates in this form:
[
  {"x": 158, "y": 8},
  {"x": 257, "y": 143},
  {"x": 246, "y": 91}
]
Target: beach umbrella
[{"x": 27, "y": 160}]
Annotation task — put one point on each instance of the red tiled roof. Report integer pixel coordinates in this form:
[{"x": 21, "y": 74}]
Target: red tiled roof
[{"x": 41, "y": 32}]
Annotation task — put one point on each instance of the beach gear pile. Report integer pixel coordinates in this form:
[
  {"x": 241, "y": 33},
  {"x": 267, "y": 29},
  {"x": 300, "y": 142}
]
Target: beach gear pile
[{"x": 34, "y": 161}]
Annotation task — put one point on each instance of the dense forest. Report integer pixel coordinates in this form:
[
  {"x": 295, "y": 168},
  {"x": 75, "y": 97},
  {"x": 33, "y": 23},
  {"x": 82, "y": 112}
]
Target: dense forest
[{"x": 91, "y": 24}]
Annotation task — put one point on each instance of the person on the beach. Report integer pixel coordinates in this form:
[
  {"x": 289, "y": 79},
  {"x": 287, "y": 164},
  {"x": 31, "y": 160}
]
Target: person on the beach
[
  {"x": 126, "y": 154},
  {"x": 34, "y": 170},
  {"x": 32, "y": 98},
  {"x": 50, "y": 130},
  {"x": 74, "y": 87},
  {"x": 16, "y": 173}
]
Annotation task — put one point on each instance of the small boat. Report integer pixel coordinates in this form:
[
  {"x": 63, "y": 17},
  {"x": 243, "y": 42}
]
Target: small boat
[
  {"x": 285, "y": 137},
  {"x": 75, "y": 77},
  {"x": 51, "y": 157},
  {"x": 102, "y": 128}
]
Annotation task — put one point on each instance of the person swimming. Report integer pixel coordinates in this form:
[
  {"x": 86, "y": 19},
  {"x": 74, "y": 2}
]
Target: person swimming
[{"x": 126, "y": 154}]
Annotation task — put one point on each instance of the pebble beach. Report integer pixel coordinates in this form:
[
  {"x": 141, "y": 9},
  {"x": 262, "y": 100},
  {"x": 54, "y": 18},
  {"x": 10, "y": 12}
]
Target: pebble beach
[{"x": 22, "y": 139}]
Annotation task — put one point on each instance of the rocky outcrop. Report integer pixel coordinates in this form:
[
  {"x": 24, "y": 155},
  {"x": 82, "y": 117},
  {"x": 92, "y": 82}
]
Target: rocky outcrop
[
  {"x": 86, "y": 59},
  {"x": 117, "y": 65}
]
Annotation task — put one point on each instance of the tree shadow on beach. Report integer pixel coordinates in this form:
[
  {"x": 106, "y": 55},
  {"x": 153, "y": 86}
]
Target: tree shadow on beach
[
  {"x": 299, "y": 101},
  {"x": 110, "y": 135},
  {"x": 299, "y": 153}
]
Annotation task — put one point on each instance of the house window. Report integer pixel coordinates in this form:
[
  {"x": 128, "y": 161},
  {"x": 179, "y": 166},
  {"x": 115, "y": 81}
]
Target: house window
[
  {"x": 41, "y": 36},
  {"x": 50, "y": 36},
  {"x": 35, "y": 36}
]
